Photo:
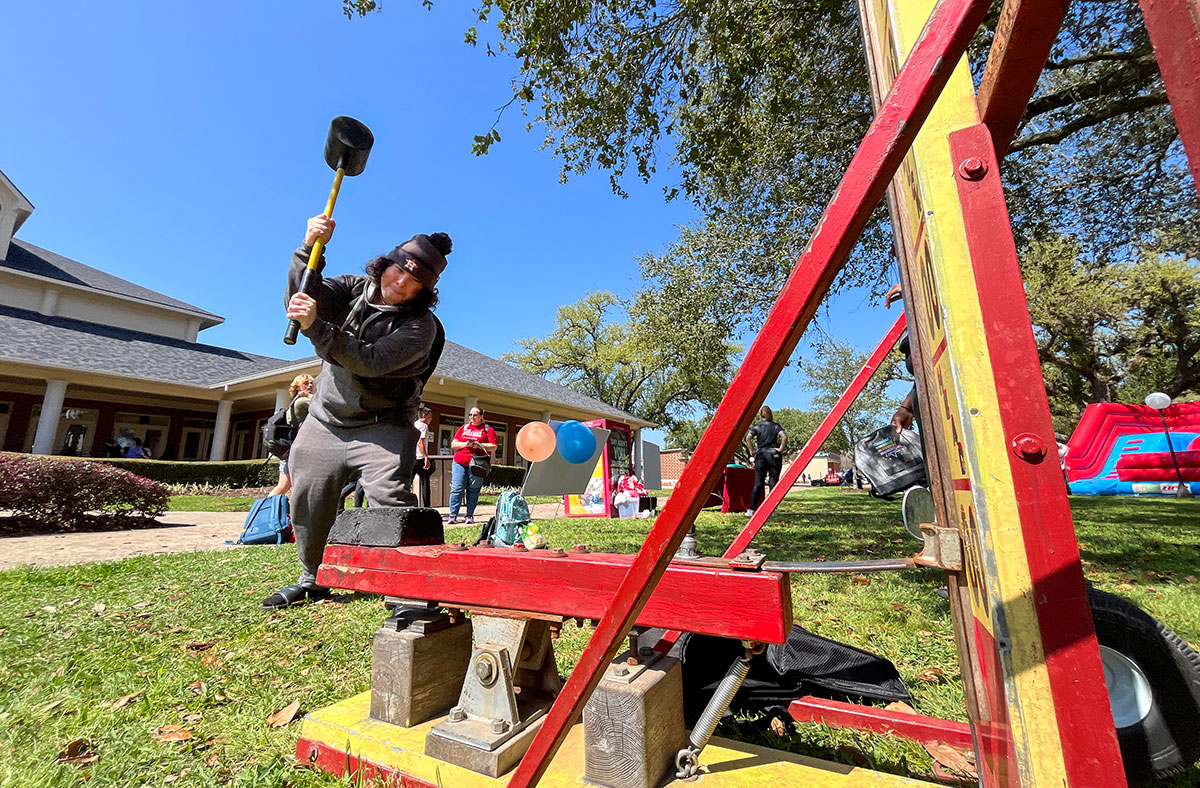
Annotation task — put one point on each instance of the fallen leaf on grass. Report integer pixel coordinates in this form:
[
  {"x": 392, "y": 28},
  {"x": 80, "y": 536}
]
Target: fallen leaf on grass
[
  {"x": 74, "y": 602},
  {"x": 52, "y": 705},
  {"x": 77, "y": 753},
  {"x": 140, "y": 605},
  {"x": 68, "y": 635},
  {"x": 777, "y": 727},
  {"x": 951, "y": 758},
  {"x": 211, "y": 760},
  {"x": 211, "y": 661},
  {"x": 284, "y": 715},
  {"x": 901, "y": 706},
  {"x": 899, "y": 606},
  {"x": 124, "y": 700},
  {"x": 307, "y": 648},
  {"x": 219, "y": 698},
  {"x": 99, "y": 607},
  {"x": 172, "y": 733},
  {"x": 50, "y": 608},
  {"x": 932, "y": 674},
  {"x": 862, "y": 580},
  {"x": 197, "y": 645},
  {"x": 193, "y": 717}
]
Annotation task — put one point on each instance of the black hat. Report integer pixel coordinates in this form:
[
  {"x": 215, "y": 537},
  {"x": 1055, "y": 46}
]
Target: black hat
[{"x": 422, "y": 257}]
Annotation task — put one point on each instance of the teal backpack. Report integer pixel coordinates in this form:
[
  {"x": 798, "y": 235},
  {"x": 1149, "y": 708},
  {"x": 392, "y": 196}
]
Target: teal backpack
[{"x": 512, "y": 515}]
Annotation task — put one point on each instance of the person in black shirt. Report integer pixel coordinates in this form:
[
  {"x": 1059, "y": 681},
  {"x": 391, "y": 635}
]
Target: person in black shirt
[{"x": 769, "y": 443}]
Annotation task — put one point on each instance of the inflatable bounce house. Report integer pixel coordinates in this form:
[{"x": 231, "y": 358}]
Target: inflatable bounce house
[{"x": 1122, "y": 450}]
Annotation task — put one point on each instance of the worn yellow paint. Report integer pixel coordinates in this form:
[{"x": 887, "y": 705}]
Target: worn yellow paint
[
  {"x": 347, "y": 726},
  {"x": 998, "y": 568}
]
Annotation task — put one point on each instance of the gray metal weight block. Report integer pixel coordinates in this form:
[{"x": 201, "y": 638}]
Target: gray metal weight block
[
  {"x": 388, "y": 526},
  {"x": 633, "y": 724}
]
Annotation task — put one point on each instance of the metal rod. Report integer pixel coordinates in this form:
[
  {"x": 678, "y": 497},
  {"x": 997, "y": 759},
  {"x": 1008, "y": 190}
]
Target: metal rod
[{"x": 833, "y": 567}]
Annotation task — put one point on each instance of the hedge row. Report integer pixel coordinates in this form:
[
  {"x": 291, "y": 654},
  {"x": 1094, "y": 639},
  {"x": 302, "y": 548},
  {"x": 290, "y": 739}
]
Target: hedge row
[
  {"x": 235, "y": 473},
  {"x": 66, "y": 492},
  {"x": 253, "y": 473}
]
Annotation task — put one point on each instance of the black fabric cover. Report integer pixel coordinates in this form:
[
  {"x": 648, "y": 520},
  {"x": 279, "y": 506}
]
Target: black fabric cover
[{"x": 806, "y": 664}]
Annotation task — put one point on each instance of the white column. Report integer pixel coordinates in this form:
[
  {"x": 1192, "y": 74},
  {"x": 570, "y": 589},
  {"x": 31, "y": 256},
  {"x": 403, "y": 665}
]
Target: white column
[
  {"x": 471, "y": 402},
  {"x": 282, "y": 398},
  {"x": 47, "y": 429},
  {"x": 546, "y": 416},
  {"x": 221, "y": 430},
  {"x": 639, "y": 457}
]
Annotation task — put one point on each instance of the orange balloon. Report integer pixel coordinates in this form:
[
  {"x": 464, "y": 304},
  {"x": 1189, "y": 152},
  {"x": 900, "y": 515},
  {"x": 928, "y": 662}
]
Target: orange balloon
[{"x": 535, "y": 441}]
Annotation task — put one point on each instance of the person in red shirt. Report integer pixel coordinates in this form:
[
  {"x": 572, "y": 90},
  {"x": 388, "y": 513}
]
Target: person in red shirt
[{"x": 471, "y": 439}]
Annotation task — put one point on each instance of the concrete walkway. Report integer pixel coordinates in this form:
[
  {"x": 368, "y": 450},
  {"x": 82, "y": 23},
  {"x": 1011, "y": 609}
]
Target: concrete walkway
[{"x": 178, "y": 532}]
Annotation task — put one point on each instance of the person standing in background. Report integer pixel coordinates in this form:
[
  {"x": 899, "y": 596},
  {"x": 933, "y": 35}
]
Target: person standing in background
[
  {"x": 301, "y": 392},
  {"x": 424, "y": 467}
]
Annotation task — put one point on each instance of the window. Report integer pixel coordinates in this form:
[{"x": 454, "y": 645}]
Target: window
[{"x": 447, "y": 426}]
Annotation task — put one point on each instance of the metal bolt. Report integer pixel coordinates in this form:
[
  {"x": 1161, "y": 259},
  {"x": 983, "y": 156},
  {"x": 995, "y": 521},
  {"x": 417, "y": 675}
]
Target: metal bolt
[
  {"x": 1029, "y": 447},
  {"x": 485, "y": 670},
  {"x": 620, "y": 670},
  {"x": 646, "y": 651},
  {"x": 972, "y": 168},
  {"x": 579, "y": 548},
  {"x": 457, "y": 714},
  {"x": 499, "y": 726}
]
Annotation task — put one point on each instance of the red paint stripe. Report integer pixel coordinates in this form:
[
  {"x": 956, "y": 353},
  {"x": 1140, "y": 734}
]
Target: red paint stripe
[
  {"x": 1090, "y": 752},
  {"x": 962, "y": 484},
  {"x": 342, "y": 764},
  {"x": 941, "y": 44},
  {"x": 915, "y": 727},
  {"x": 941, "y": 348}
]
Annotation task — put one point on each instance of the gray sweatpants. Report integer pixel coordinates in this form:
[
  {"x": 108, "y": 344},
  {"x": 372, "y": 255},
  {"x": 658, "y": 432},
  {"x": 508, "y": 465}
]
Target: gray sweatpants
[{"x": 323, "y": 458}]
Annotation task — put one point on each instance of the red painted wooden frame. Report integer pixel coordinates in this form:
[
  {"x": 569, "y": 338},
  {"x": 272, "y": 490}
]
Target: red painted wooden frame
[
  {"x": 1090, "y": 752},
  {"x": 904, "y": 724},
  {"x": 1024, "y": 34},
  {"x": 342, "y": 764},
  {"x": 943, "y": 42},
  {"x": 1174, "y": 28},
  {"x": 768, "y": 506},
  {"x": 708, "y": 599}
]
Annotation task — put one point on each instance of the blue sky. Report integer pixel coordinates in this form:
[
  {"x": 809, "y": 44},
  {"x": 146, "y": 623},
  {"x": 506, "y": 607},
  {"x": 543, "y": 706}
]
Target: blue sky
[{"x": 179, "y": 146}]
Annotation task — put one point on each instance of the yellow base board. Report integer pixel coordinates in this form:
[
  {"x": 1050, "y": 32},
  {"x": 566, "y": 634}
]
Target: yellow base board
[{"x": 348, "y": 727}]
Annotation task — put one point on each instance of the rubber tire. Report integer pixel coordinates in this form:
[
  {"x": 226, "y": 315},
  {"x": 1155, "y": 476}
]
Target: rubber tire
[{"x": 1167, "y": 740}]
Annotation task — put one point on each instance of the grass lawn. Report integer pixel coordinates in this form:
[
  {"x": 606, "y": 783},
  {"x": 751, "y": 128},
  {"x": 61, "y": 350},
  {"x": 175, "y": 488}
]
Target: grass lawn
[{"x": 166, "y": 667}]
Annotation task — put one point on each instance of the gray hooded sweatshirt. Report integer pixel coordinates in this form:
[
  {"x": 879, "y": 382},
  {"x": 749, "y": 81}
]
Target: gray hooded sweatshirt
[{"x": 376, "y": 356}]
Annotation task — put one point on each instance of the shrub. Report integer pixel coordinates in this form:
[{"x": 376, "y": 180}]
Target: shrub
[
  {"x": 62, "y": 492},
  {"x": 235, "y": 473}
]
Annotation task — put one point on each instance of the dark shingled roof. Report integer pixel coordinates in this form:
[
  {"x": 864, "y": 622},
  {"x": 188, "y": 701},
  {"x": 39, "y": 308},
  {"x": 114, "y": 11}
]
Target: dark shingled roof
[
  {"x": 24, "y": 256},
  {"x": 34, "y": 338}
]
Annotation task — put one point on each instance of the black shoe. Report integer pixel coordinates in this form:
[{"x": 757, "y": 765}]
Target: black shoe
[
  {"x": 294, "y": 595},
  {"x": 944, "y": 593}
]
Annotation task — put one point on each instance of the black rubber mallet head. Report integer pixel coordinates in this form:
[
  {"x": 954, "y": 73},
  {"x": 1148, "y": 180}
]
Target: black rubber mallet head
[
  {"x": 346, "y": 149},
  {"x": 348, "y": 145}
]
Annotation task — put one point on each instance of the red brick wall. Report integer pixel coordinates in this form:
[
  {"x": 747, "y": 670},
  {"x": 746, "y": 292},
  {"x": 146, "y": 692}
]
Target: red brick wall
[{"x": 672, "y": 461}]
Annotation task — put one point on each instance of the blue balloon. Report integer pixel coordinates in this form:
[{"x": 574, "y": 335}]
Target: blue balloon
[
  {"x": 576, "y": 443},
  {"x": 554, "y": 425}
]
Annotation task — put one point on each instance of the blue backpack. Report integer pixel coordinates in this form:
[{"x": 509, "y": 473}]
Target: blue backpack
[
  {"x": 512, "y": 514},
  {"x": 269, "y": 522}
]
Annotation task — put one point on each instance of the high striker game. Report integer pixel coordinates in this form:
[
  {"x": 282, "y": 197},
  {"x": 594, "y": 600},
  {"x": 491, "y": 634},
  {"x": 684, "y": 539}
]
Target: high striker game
[{"x": 1034, "y": 687}]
